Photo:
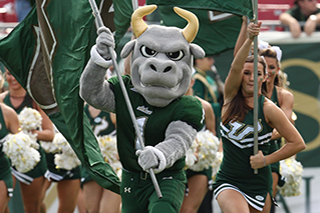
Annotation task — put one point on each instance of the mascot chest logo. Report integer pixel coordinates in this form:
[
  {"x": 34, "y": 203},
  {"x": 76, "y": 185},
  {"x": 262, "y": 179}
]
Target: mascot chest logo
[{"x": 144, "y": 110}]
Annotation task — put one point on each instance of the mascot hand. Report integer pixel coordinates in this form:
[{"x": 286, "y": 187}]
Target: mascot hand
[
  {"x": 103, "y": 41},
  {"x": 151, "y": 158},
  {"x": 100, "y": 54}
]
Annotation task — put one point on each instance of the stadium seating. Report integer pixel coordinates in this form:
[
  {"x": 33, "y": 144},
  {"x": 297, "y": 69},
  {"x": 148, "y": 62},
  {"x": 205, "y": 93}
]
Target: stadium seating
[
  {"x": 269, "y": 11},
  {"x": 7, "y": 11}
]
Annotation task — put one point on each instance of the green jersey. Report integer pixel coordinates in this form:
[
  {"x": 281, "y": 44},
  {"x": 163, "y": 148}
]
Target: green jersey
[
  {"x": 5, "y": 165},
  {"x": 235, "y": 169},
  {"x": 152, "y": 121},
  {"x": 41, "y": 167},
  {"x": 27, "y": 102},
  {"x": 276, "y": 144},
  {"x": 101, "y": 124},
  {"x": 3, "y": 131}
]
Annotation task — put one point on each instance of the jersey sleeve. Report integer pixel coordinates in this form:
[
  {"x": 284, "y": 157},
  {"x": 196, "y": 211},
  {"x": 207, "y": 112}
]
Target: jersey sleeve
[{"x": 192, "y": 112}]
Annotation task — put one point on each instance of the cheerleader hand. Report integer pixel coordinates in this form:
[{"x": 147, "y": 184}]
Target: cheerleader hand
[
  {"x": 253, "y": 30},
  {"x": 258, "y": 161}
]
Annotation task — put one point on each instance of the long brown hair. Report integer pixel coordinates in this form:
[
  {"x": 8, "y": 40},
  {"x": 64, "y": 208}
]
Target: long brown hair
[{"x": 238, "y": 107}]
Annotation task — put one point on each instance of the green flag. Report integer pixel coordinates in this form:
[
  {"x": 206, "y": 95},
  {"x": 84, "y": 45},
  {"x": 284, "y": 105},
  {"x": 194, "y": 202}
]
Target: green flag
[
  {"x": 237, "y": 7},
  {"x": 122, "y": 17},
  {"x": 46, "y": 53},
  {"x": 219, "y": 20},
  {"x": 215, "y": 34}
]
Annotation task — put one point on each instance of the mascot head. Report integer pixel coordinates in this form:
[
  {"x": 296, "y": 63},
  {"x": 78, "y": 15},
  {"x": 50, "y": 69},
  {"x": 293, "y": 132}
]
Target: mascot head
[{"x": 162, "y": 57}]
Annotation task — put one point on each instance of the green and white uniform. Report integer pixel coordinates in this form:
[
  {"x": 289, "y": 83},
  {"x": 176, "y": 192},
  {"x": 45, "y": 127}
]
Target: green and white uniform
[
  {"x": 276, "y": 144},
  {"x": 153, "y": 122},
  {"x": 56, "y": 175},
  {"x": 235, "y": 170},
  {"x": 101, "y": 125},
  {"x": 5, "y": 166},
  {"x": 41, "y": 168},
  {"x": 207, "y": 88}
]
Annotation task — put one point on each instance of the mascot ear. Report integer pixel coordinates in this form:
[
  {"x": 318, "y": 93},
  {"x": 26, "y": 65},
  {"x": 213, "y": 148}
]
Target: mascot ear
[
  {"x": 126, "y": 50},
  {"x": 197, "y": 51}
]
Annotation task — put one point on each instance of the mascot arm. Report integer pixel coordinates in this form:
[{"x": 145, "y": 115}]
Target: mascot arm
[
  {"x": 94, "y": 89},
  {"x": 178, "y": 139}
]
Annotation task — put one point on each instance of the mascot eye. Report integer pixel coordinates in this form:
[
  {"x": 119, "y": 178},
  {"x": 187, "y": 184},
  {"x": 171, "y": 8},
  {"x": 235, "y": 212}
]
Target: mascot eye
[
  {"x": 147, "y": 52},
  {"x": 176, "y": 56}
]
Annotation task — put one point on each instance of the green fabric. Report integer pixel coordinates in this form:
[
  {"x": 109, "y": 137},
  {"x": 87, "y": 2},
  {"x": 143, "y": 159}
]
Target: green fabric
[
  {"x": 152, "y": 120},
  {"x": 238, "y": 7},
  {"x": 213, "y": 36},
  {"x": 138, "y": 194},
  {"x": 201, "y": 90},
  {"x": 238, "y": 139},
  {"x": 72, "y": 24},
  {"x": 101, "y": 124},
  {"x": 72, "y": 174},
  {"x": 122, "y": 17}
]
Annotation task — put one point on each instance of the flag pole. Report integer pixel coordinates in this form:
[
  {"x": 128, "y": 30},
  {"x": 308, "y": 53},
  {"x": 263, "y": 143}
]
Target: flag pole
[
  {"x": 255, "y": 87},
  {"x": 135, "y": 4},
  {"x": 99, "y": 24}
]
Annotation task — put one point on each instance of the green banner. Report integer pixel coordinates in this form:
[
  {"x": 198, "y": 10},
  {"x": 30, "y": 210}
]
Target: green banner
[
  {"x": 237, "y": 7},
  {"x": 46, "y": 53},
  {"x": 217, "y": 32}
]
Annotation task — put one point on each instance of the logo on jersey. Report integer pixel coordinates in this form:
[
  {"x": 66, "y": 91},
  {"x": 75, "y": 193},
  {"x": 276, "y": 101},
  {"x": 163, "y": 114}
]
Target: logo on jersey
[
  {"x": 127, "y": 190},
  {"x": 241, "y": 134},
  {"x": 144, "y": 110},
  {"x": 259, "y": 197}
]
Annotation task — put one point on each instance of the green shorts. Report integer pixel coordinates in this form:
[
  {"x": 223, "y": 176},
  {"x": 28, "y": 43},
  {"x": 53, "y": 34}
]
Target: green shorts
[
  {"x": 205, "y": 172},
  {"x": 138, "y": 193},
  {"x": 5, "y": 173},
  {"x": 60, "y": 174}
]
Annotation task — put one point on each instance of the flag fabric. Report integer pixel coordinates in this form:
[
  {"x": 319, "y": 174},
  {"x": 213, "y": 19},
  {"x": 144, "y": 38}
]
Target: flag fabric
[
  {"x": 237, "y": 7},
  {"x": 219, "y": 20},
  {"x": 46, "y": 53},
  {"x": 214, "y": 35},
  {"x": 122, "y": 17}
]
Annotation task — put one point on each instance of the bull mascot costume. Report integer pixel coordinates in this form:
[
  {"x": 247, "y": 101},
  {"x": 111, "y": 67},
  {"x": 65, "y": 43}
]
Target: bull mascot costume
[{"x": 161, "y": 71}]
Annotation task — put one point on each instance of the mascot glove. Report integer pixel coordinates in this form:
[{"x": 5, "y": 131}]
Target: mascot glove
[
  {"x": 104, "y": 41},
  {"x": 98, "y": 59},
  {"x": 151, "y": 158}
]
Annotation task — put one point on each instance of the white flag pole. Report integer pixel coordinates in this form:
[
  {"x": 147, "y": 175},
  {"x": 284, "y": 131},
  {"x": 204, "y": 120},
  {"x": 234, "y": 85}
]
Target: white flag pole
[{"x": 255, "y": 87}]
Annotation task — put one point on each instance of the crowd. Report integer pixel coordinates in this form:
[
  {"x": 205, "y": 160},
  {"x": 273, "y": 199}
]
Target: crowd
[{"x": 205, "y": 103}]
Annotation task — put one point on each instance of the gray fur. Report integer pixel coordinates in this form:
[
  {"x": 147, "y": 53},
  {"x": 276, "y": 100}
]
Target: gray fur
[
  {"x": 127, "y": 49},
  {"x": 95, "y": 90},
  {"x": 178, "y": 139},
  {"x": 197, "y": 51},
  {"x": 151, "y": 157},
  {"x": 104, "y": 40}
]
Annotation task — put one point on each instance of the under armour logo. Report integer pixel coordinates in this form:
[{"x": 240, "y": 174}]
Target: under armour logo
[{"x": 127, "y": 190}]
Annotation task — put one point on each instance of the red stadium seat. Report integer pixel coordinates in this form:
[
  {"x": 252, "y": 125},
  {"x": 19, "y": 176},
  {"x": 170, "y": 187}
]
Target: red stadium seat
[
  {"x": 269, "y": 11},
  {"x": 7, "y": 11}
]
